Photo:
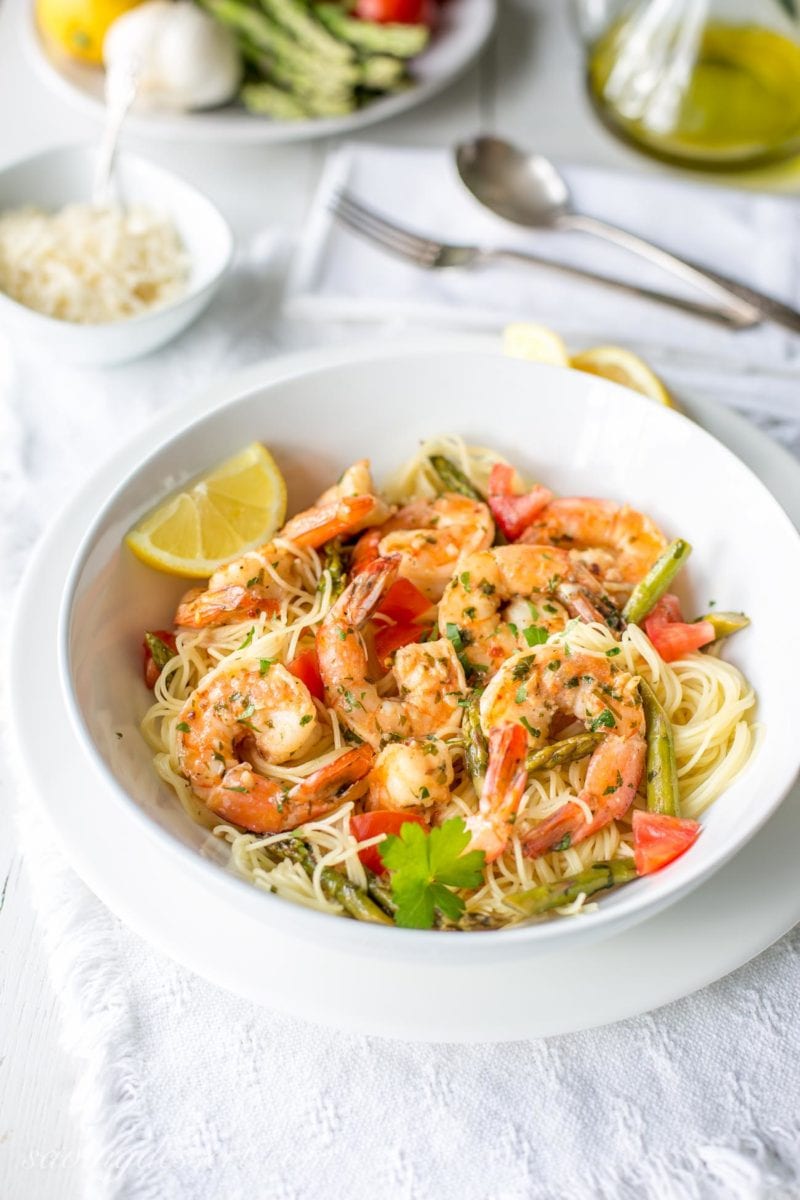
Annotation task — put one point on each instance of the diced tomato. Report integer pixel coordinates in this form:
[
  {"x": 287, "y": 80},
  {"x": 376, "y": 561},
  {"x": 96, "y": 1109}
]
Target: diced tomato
[
  {"x": 389, "y": 638},
  {"x": 151, "y": 671},
  {"x": 659, "y": 839},
  {"x": 305, "y": 667},
  {"x": 403, "y": 12},
  {"x": 670, "y": 634},
  {"x": 368, "y": 825},
  {"x": 514, "y": 513},
  {"x": 404, "y": 602}
]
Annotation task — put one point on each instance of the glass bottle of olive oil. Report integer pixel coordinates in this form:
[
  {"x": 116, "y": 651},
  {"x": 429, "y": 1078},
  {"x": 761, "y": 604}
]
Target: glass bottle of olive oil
[{"x": 707, "y": 83}]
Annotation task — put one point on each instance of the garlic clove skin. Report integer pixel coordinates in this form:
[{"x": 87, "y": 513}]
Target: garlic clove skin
[{"x": 181, "y": 57}]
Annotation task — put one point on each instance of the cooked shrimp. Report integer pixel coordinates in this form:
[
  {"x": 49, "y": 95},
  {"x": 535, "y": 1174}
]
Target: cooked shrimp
[
  {"x": 411, "y": 775},
  {"x": 503, "y": 789},
  {"x": 475, "y": 599},
  {"x": 248, "y": 586},
  {"x": 267, "y": 806},
  {"x": 267, "y": 715},
  {"x": 430, "y": 679},
  {"x": 621, "y": 543},
  {"x": 531, "y": 688},
  {"x": 346, "y": 508},
  {"x": 432, "y": 537},
  {"x": 272, "y": 714}
]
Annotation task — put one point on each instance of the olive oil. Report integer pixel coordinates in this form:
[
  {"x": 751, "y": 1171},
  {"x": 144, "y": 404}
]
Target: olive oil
[{"x": 739, "y": 106}]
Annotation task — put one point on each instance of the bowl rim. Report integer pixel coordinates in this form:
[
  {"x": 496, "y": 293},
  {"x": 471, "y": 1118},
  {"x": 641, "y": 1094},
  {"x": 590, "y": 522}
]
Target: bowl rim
[
  {"x": 189, "y": 296},
  {"x": 289, "y": 916}
]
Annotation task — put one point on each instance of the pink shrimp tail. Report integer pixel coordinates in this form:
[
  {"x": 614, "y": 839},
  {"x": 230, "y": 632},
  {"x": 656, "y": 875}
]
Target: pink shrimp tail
[
  {"x": 503, "y": 788},
  {"x": 363, "y": 596}
]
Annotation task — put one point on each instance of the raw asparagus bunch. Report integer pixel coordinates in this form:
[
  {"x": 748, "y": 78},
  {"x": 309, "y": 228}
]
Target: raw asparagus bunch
[{"x": 314, "y": 60}]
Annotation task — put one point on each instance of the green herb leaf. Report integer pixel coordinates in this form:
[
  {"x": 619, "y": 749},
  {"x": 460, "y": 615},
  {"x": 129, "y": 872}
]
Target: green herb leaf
[
  {"x": 425, "y": 867},
  {"x": 535, "y": 635},
  {"x": 604, "y": 721},
  {"x": 183, "y": 727},
  {"x": 615, "y": 650},
  {"x": 249, "y": 639}
]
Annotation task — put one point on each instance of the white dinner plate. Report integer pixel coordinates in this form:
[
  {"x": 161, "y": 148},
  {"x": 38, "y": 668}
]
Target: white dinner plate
[
  {"x": 463, "y": 30},
  {"x": 742, "y": 909}
]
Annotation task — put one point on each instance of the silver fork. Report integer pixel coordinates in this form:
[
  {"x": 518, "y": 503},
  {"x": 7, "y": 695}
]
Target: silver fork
[{"x": 432, "y": 255}]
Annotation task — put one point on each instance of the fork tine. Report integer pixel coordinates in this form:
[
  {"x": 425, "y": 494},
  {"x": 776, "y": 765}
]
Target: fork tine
[
  {"x": 382, "y": 224},
  {"x": 379, "y": 228},
  {"x": 390, "y": 245}
]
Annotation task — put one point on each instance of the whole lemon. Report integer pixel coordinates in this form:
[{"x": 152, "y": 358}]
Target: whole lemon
[{"x": 77, "y": 27}]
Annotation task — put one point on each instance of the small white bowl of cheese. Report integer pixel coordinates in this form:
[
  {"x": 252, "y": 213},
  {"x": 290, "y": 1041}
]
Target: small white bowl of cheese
[{"x": 103, "y": 286}]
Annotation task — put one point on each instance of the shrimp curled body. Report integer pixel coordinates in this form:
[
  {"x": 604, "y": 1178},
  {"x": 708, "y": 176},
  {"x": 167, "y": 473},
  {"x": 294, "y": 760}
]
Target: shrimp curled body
[
  {"x": 485, "y": 594},
  {"x": 430, "y": 679},
  {"x": 530, "y": 689},
  {"x": 241, "y": 714},
  {"x": 614, "y": 540}
]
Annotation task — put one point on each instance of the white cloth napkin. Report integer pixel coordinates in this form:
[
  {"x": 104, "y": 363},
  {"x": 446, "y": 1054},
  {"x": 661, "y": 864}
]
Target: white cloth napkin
[
  {"x": 751, "y": 236},
  {"x": 186, "y": 1093}
]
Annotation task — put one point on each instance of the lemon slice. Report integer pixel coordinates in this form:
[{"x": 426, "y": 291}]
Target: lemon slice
[
  {"x": 536, "y": 343},
  {"x": 216, "y": 517},
  {"x": 620, "y": 366}
]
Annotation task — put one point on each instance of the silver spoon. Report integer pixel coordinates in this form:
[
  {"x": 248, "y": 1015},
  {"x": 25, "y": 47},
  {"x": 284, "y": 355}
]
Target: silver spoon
[
  {"x": 120, "y": 93},
  {"x": 529, "y": 190}
]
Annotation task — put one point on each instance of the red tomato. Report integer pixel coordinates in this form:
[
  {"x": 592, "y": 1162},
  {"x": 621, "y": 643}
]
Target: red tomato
[
  {"x": 671, "y": 635},
  {"x": 659, "y": 839},
  {"x": 404, "y": 12},
  {"x": 514, "y": 513},
  {"x": 305, "y": 667},
  {"x": 404, "y": 601},
  {"x": 370, "y": 824},
  {"x": 389, "y": 638},
  {"x": 151, "y": 671}
]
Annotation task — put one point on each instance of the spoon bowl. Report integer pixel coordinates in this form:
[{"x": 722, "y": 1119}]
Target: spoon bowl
[{"x": 524, "y": 188}]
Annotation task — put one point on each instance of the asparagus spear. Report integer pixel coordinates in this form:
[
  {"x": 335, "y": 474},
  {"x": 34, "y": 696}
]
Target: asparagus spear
[
  {"x": 453, "y": 478},
  {"x": 354, "y": 900},
  {"x": 475, "y": 750},
  {"x": 568, "y": 750},
  {"x": 663, "y": 795},
  {"x": 383, "y": 73},
  {"x": 596, "y": 878},
  {"x": 655, "y": 583},
  {"x": 309, "y": 32},
  {"x": 370, "y": 37},
  {"x": 270, "y": 101},
  {"x": 726, "y": 623},
  {"x": 334, "y": 564},
  {"x": 381, "y": 893}
]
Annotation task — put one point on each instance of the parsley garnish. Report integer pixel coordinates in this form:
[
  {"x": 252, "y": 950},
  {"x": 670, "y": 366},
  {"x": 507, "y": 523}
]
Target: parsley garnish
[
  {"x": 613, "y": 651},
  {"x": 183, "y": 727},
  {"x": 304, "y": 720},
  {"x": 565, "y": 842},
  {"x": 264, "y": 665},
  {"x": 535, "y": 635},
  {"x": 535, "y": 733},
  {"x": 513, "y": 628},
  {"x": 248, "y": 640},
  {"x": 604, "y": 721},
  {"x": 521, "y": 695},
  {"x": 425, "y": 867},
  {"x": 465, "y": 581},
  {"x": 239, "y": 788}
]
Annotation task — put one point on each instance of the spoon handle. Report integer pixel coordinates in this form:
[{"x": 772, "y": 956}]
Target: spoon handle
[
  {"x": 722, "y": 314},
  {"x": 749, "y": 303}
]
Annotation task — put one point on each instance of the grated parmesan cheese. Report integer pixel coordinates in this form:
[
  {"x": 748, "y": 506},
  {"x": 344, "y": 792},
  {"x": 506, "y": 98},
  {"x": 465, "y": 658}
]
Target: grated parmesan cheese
[{"x": 91, "y": 265}]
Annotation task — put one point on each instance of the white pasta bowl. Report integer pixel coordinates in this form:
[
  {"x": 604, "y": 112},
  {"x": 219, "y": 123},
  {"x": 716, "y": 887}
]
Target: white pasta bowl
[
  {"x": 578, "y": 433},
  {"x": 64, "y": 176}
]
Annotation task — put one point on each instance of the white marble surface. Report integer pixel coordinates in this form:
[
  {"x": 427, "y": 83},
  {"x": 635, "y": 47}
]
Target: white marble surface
[{"x": 527, "y": 85}]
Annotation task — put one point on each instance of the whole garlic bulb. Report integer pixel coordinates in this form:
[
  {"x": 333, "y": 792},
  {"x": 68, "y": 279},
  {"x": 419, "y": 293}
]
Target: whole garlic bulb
[{"x": 180, "y": 57}]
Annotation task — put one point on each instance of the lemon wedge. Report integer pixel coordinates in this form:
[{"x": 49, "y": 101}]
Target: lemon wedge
[
  {"x": 229, "y": 510},
  {"x": 621, "y": 366},
  {"x": 535, "y": 343}
]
